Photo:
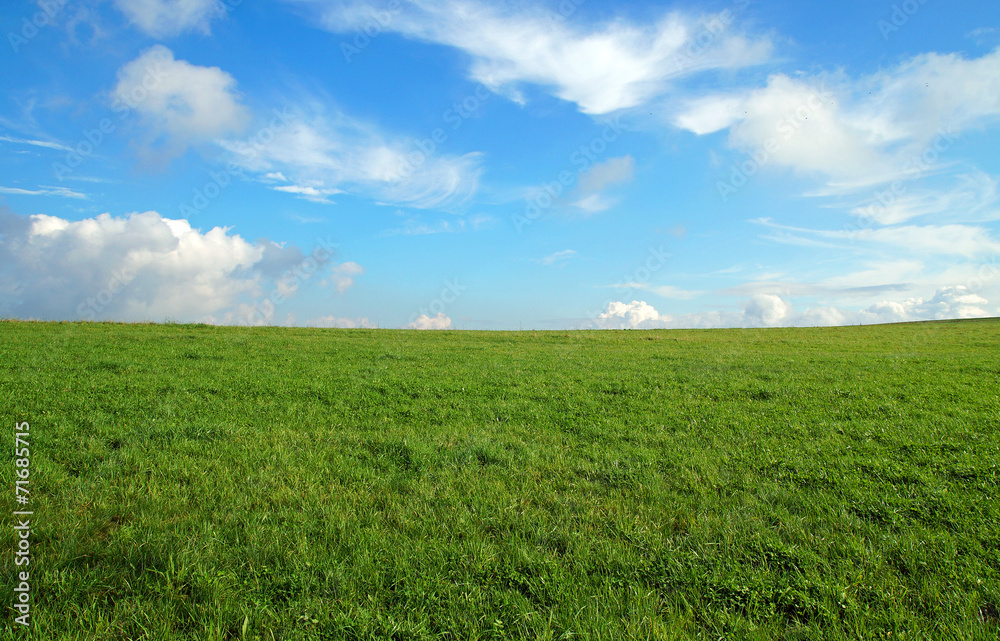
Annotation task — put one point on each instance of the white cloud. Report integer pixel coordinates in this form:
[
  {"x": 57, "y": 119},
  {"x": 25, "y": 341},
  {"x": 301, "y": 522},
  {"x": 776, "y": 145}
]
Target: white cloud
[
  {"x": 558, "y": 257},
  {"x": 920, "y": 240},
  {"x": 601, "y": 176},
  {"x": 342, "y": 275},
  {"x": 139, "y": 267},
  {"x": 877, "y": 273},
  {"x": 179, "y": 103},
  {"x": 160, "y": 18},
  {"x": 946, "y": 303},
  {"x": 595, "y": 203},
  {"x": 413, "y": 226},
  {"x": 709, "y": 114},
  {"x": 932, "y": 90},
  {"x": 856, "y": 132},
  {"x": 440, "y": 321},
  {"x": 666, "y": 291},
  {"x": 803, "y": 124},
  {"x": 311, "y": 194},
  {"x": 44, "y": 191},
  {"x": 971, "y": 198},
  {"x": 611, "y": 172},
  {"x": 602, "y": 68},
  {"x": 36, "y": 143},
  {"x": 772, "y": 310},
  {"x": 324, "y": 152},
  {"x": 340, "y": 322},
  {"x": 943, "y": 240},
  {"x": 766, "y": 309},
  {"x": 619, "y": 315}
]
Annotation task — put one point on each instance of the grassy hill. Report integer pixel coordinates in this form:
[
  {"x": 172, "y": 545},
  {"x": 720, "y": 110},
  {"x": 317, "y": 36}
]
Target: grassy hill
[{"x": 198, "y": 482}]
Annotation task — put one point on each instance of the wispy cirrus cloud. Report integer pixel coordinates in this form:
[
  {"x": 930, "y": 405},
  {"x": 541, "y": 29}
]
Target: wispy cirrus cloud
[
  {"x": 601, "y": 68},
  {"x": 967, "y": 241},
  {"x": 313, "y": 150},
  {"x": 44, "y": 191},
  {"x": 311, "y": 194},
  {"x": 36, "y": 143},
  {"x": 414, "y": 226},
  {"x": 664, "y": 291},
  {"x": 164, "y": 18},
  {"x": 559, "y": 257},
  {"x": 321, "y": 151}
]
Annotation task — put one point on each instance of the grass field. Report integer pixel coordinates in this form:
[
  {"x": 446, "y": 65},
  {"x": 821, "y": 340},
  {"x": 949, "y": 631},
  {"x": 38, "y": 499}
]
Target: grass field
[{"x": 198, "y": 482}]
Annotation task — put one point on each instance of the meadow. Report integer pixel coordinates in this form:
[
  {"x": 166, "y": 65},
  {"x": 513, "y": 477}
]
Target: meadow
[{"x": 199, "y": 482}]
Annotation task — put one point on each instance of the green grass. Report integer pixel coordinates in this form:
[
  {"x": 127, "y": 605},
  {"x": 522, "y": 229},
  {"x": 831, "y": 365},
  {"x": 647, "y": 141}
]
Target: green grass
[{"x": 197, "y": 482}]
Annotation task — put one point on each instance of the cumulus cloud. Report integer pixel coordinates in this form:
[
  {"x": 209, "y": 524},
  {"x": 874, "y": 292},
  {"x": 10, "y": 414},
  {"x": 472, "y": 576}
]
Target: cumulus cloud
[
  {"x": 134, "y": 268},
  {"x": 619, "y": 315},
  {"x": 440, "y": 321},
  {"x": 601, "y": 67},
  {"x": 342, "y": 275},
  {"x": 773, "y": 310},
  {"x": 794, "y": 123},
  {"x": 881, "y": 147},
  {"x": 768, "y": 310},
  {"x": 321, "y": 152},
  {"x": 946, "y": 303},
  {"x": 861, "y": 131},
  {"x": 161, "y": 18},
  {"x": 179, "y": 104}
]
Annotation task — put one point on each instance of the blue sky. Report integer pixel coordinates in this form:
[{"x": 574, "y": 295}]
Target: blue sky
[{"x": 505, "y": 165}]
